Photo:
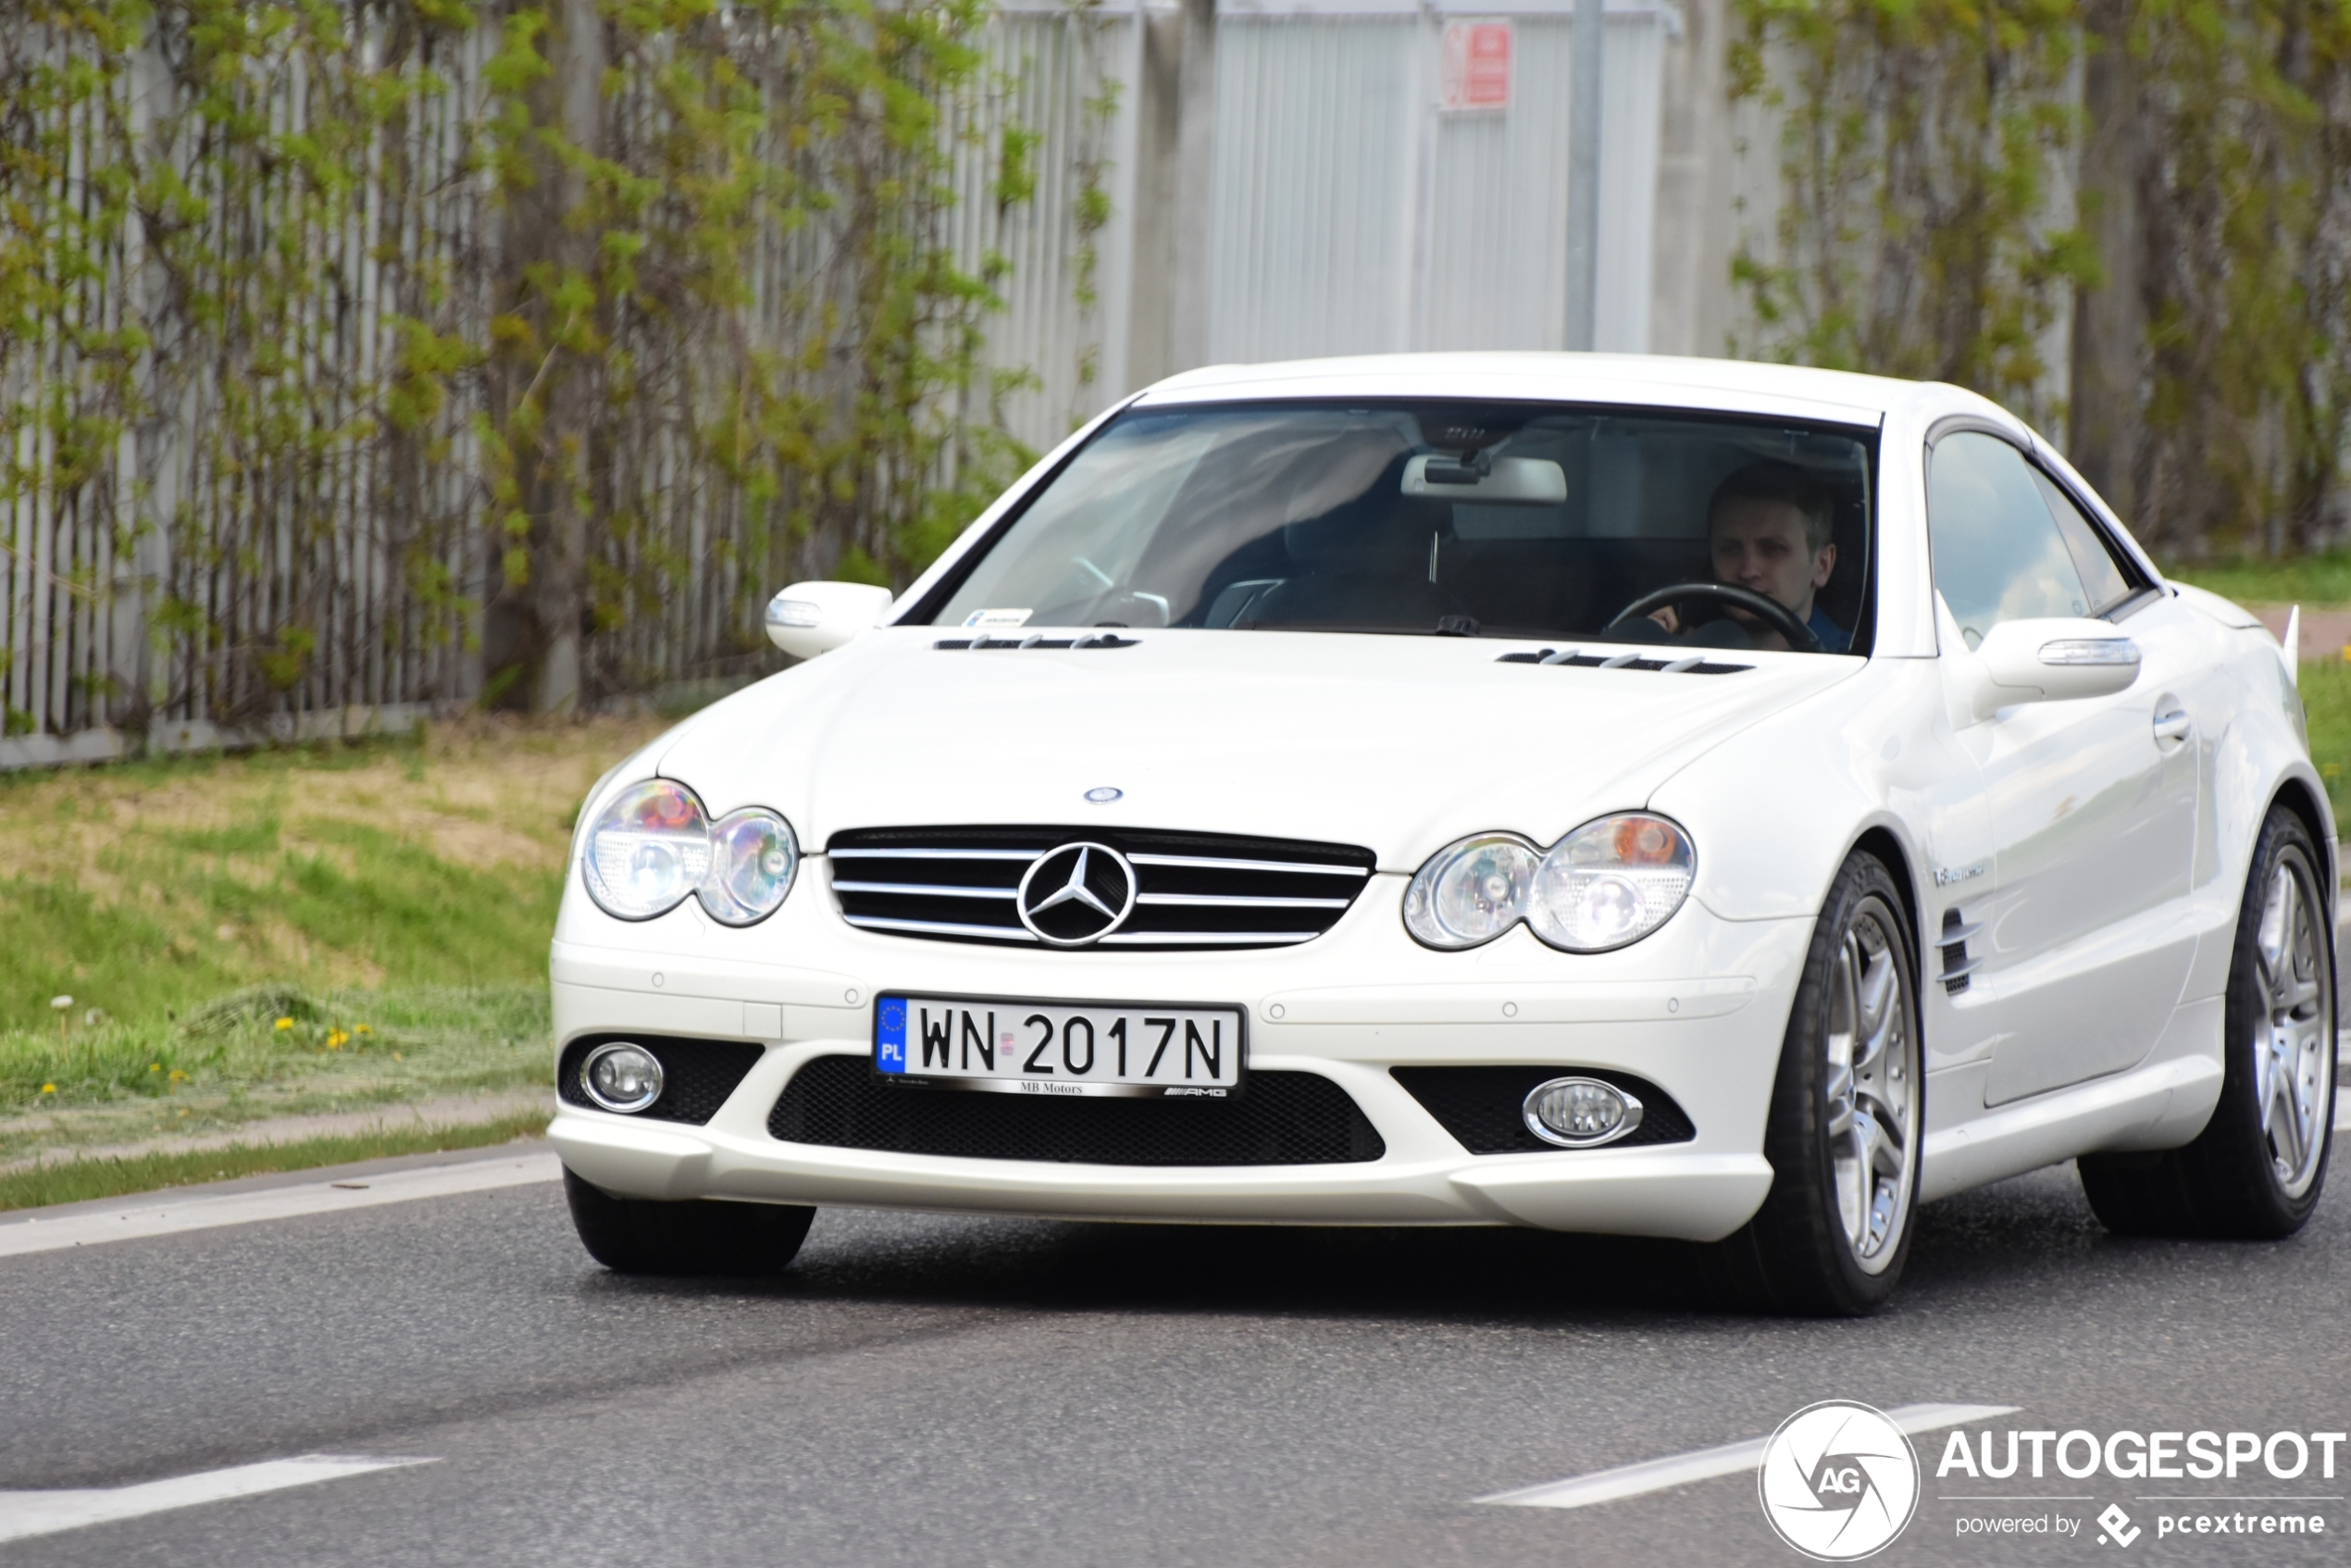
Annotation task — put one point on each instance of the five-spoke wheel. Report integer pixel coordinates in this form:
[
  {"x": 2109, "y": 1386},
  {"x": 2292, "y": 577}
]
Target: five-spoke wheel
[
  {"x": 1848, "y": 1112},
  {"x": 2255, "y": 1170},
  {"x": 1872, "y": 1085},
  {"x": 2294, "y": 1049}
]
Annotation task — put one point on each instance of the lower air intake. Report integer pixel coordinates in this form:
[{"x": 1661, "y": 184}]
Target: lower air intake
[
  {"x": 1278, "y": 1119},
  {"x": 1481, "y": 1106}
]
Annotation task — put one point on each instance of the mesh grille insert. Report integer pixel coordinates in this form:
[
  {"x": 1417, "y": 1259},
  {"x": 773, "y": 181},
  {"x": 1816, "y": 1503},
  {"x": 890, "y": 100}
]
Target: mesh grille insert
[
  {"x": 1481, "y": 1106},
  {"x": 1279, "y": 1119},
  {"x": 1196, "y": 891},
  {"x": 696, "y": 1074}
]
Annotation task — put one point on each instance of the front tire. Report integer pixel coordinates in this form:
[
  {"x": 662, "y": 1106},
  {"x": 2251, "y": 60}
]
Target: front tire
[
  {"x": 698, "y": 1237},
  {"x": 2254, "y": 1172},
  {"x": 1848, "y": 1117}
]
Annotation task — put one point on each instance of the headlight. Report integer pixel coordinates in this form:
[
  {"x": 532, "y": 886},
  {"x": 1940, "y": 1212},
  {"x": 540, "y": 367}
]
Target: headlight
[
  {"x": 1610, "y": 882},
  {"x": 752, "y": 859},
  {"x": 1470, "y": 892},
  {"x": 653, "y": 845}
]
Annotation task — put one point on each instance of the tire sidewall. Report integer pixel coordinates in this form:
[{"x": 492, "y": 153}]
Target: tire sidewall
[
  {"x": 1796, "y": 1140},
  {"x": 2235, "y": 1131}
]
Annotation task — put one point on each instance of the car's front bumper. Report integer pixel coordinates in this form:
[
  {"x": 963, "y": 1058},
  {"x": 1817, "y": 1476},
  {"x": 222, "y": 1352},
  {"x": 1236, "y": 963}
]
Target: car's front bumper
[{"x": 1698, "y": 1010}]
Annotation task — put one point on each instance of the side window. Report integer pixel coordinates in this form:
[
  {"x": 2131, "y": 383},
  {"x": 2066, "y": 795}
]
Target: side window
[
  {"x": 1998, "y": 556},
  {"x": 2093, "y": 557}
]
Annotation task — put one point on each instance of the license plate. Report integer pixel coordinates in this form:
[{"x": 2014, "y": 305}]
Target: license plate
[{"x": 1059, "y": 1048}]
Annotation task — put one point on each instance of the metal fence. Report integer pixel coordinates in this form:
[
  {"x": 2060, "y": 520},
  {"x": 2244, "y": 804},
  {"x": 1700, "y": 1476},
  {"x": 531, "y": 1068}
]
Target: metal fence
[{"x": 1349, "y": 210}]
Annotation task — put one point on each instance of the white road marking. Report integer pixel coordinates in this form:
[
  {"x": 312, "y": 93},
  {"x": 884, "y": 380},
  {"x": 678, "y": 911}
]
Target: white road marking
[
  {"x": 168, "y": 1215},
  {"x": 1657, "y": 1474},
  {"x": 46, "y": 1513}
]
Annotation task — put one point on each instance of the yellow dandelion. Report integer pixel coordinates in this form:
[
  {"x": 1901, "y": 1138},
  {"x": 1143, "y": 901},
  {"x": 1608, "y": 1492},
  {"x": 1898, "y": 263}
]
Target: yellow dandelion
[
  {"x": 362, "y": 1029},
  {"x": 285, "y": 1022},
  {"x": 48, "y": 1088},
  {"x": 337, "y": 1040},
  {"x": 155, "y": 1067},
  {"x": 178, "y": 1077}
]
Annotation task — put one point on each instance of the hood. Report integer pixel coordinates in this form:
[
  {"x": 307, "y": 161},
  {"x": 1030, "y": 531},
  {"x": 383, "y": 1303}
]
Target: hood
[{"x": 1399, "y": 744}]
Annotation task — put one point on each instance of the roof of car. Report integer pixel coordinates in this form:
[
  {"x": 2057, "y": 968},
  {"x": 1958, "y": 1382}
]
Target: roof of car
[{"x": 1637, "y": 378}]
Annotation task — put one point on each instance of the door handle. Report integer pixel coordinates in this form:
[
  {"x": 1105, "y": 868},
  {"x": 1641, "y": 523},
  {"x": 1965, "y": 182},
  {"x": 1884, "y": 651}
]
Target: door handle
[{"x": 2173, "y": 725}]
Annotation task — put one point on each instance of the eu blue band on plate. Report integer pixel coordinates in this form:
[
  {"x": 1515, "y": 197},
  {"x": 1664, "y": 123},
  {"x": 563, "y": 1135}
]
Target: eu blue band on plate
[{"x": 890, "y": 1035}]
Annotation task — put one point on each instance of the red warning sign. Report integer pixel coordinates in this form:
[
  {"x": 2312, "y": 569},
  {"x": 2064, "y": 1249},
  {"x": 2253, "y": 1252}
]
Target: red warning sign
[{"x": 1477, "y": 67}]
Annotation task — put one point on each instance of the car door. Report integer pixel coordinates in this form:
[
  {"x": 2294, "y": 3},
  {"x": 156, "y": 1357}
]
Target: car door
[{"x": 2085, "y": 940}]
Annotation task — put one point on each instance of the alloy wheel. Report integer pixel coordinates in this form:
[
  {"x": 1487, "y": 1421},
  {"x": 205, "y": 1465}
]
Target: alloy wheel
[
  {"x": 2293, "y": 1052},
  {"x": 1872, "y": 1086}
]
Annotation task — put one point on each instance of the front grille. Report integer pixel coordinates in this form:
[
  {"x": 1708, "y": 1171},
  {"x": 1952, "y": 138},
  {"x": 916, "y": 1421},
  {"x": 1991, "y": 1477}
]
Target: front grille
[
  {"x": 696, "y": 1074},
  {"x": 1483, "y": 1107},
  {"x": 1193, "y": 890},
  {"x": 1278, "y": 1119}
]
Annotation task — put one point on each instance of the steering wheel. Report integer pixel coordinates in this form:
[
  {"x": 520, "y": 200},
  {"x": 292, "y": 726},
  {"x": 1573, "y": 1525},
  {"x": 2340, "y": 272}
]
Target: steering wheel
[{"x": 1771, "y": 612}]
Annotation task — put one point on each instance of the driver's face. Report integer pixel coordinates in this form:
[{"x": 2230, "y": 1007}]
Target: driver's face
[{"x": 1759, "y": 545}]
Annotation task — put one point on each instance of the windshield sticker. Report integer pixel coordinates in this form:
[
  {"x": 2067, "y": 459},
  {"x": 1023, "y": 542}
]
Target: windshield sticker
[{"x": 997, "y": 617}]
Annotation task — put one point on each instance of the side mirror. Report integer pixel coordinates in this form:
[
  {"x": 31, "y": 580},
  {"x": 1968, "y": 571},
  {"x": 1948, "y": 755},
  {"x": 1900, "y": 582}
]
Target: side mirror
[
  {"x": 809, "y": 618},
  {"x": 2052, "y": 659}
]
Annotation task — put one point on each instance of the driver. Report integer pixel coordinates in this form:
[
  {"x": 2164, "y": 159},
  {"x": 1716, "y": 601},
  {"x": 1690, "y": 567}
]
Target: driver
[{"x": 1770, "y": 530}]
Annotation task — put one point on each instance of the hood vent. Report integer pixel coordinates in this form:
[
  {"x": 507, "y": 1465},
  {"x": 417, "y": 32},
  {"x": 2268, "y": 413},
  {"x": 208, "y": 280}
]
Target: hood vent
[
  {"x": 1692, "y": 664},
  {"x": 984, "y": 643},
  {"x": 1193, "y": 890}
]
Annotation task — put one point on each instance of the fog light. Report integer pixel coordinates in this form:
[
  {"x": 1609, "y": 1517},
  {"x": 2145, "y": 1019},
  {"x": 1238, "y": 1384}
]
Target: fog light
[
  {"x": 1580, "y": 1112},
  {"x": 621, "y": 1076}
]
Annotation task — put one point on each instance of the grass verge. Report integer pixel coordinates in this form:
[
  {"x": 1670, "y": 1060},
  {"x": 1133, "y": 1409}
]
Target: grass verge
[
  {"x": 2307, "y": 580},
  {"x": 76, "y": 1181},
  {"x": 2326, "y": 707},
  {"x": 189, "y": 945}
]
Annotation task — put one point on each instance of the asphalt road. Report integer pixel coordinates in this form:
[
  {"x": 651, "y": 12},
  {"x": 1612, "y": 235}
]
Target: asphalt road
[{"x": 931, "y": 1390}]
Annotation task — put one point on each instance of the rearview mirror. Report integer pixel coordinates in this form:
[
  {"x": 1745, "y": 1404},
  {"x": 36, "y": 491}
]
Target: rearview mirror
[
  {"x": 809, "y": 618},
  {"x": 2053, "y": 659},
  {"x": 1488, "y": 480}
]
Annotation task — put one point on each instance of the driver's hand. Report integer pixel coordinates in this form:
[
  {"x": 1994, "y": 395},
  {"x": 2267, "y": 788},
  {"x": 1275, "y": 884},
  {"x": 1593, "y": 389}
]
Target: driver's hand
[
  {"x": 1664, "y": 617},
  {"x": 1759, "y": 634}
]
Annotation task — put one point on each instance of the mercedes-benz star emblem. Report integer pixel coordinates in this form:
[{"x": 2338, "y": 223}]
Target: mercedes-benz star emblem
[{"x": 1076, "y": 894}]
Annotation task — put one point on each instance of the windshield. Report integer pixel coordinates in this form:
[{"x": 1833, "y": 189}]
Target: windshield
[{"x": 1519, "y": 520}]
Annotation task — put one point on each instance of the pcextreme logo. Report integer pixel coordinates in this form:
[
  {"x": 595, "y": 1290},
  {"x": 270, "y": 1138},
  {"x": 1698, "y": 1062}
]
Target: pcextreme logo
[{"x": 1838, "y": 1480}]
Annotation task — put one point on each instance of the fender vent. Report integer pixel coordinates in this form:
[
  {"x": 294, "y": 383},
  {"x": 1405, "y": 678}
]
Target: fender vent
[{"x": 1952, "y": 943}]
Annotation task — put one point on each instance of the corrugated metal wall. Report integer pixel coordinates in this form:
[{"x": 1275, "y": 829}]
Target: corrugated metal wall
[
  {"x": 1348, "y": 215},
  {"x": 1353, "y": 215},
  {"x": 1314, "y": 221},
  {"x": 1059, "y": 74}
]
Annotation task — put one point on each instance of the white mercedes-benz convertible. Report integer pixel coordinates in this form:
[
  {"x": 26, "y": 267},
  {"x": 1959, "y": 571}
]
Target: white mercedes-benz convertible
[{"x": 1650, "y": 796}]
